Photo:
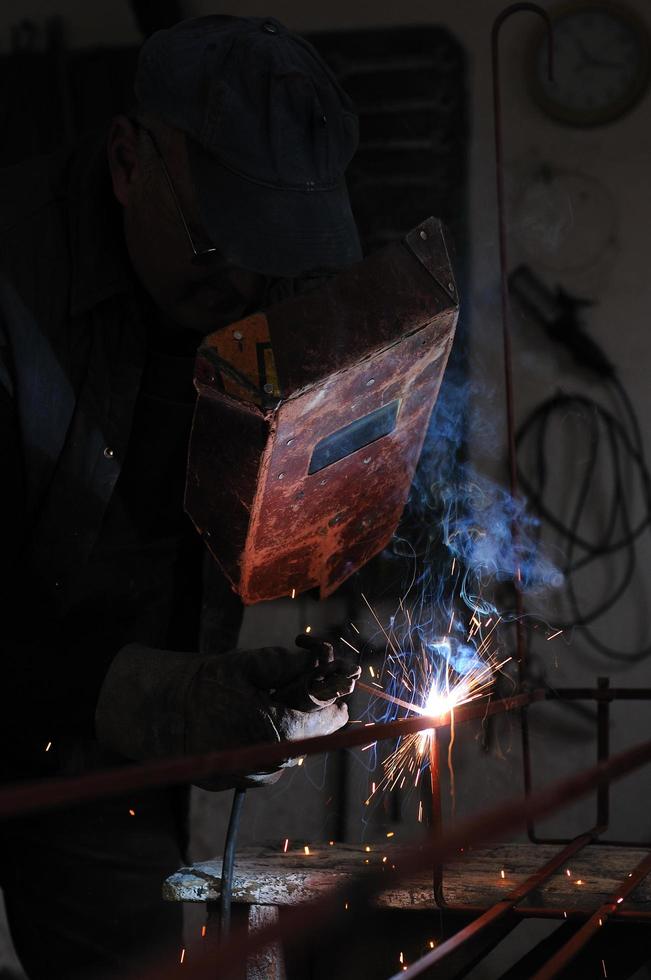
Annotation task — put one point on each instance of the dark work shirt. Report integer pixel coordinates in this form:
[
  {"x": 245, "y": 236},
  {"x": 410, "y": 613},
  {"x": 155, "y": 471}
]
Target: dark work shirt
[
  {"x": 95, "y": 410},
  {"x": 143, "y": 579}
]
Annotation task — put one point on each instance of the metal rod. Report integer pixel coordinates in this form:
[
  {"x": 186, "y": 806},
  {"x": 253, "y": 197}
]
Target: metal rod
[
  {"x": 551, "y": 912},
  {"x": 471, "y": 933},
  {"x": 569, "y": 951},
  {"x": 228, "y": 864},
  {"x": 603, "y": 750},
  {"x": 490, "y": 825},
  {"x": 499, "y": 21},
  {"x": 436, "y": 817},
  {"x": 520, "y": 644},
  {"x": 605, "y": 693},
  {"x": 66, "y": 791}
]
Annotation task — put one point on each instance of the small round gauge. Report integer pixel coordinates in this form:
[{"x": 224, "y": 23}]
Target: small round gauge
[{"x": 602, "y": 54}]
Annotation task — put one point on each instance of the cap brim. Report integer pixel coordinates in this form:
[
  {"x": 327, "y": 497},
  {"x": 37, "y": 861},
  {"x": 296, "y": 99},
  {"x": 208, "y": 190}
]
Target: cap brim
[{"x": 270, "y": 230}]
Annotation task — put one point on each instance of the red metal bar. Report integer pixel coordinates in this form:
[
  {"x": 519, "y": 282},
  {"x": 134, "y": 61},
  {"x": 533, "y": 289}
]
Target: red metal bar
[
  {"x": 436, "y": 819},
  {"x": 506, "y": 340},
  {"x": 505, "y": 14},
  {"x": 470, "y": 934},
  {"x": 298, "y": 921},
  {"x": 553, "y": 912},
  {"x": 580, "y": 939},
  {"x": 51, "y": 793}
]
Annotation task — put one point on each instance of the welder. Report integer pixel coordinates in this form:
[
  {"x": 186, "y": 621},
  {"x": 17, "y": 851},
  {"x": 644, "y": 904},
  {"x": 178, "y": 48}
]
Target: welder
[{"x": 221, "y": 191}]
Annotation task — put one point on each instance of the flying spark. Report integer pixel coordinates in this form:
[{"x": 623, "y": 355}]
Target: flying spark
[
  {"x": 436, "y": 675},
  {"x": 354, "y": 649}
]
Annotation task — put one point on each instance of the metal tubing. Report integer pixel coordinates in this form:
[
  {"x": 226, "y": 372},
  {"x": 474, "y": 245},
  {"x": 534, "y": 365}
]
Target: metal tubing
[
  {"x": 464, "y": 944},
  {"x": 51, "y": 793},
  {"x": 569, "y": 951}
]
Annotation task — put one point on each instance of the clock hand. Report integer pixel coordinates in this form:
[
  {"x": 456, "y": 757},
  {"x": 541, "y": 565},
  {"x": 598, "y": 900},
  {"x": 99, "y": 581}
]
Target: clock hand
[{"x": 591, "y": 59}]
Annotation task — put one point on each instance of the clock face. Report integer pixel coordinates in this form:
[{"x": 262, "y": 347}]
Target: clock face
[{"x": 601, "y": 62}]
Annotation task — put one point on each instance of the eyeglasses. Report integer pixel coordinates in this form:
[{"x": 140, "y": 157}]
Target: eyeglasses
[{"x": 200, "y": 256}]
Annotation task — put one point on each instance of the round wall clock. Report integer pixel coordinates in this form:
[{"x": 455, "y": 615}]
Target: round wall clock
[{"x": 602, "y": 55}]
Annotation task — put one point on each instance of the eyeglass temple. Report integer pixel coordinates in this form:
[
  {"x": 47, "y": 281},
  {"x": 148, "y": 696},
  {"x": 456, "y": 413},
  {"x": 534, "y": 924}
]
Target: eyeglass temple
[{"x": 205, "y": 252}]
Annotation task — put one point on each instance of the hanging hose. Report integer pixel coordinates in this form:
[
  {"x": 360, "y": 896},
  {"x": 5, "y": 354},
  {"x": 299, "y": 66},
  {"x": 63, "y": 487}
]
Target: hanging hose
[{"x": 228, "y": 863}]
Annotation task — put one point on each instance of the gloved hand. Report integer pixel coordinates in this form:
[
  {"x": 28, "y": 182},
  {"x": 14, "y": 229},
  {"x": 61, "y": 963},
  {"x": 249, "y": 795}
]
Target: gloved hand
[{"x": 157, "y": 703}]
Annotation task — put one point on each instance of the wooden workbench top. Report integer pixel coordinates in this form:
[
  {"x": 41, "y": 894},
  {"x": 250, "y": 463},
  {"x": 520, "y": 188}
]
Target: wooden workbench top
[{"x": 269, "y": 876}]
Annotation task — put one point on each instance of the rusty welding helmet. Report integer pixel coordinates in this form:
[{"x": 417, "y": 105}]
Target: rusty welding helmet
[{"x": 311, "y": 416}]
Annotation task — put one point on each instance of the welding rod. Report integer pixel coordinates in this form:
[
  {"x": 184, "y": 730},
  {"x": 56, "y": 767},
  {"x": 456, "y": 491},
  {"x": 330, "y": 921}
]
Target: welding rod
[{"x": 360, "y": 685}]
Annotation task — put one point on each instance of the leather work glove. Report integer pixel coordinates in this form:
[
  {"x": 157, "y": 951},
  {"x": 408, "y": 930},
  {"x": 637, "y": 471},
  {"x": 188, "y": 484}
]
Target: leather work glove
[{"x": 158, "y": 703}]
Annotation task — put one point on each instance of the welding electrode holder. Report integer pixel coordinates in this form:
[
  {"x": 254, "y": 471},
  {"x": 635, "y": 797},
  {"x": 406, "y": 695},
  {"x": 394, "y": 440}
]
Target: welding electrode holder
[
  {"x": 558, "y": 314},
  {"x": 329, "y": 679}
]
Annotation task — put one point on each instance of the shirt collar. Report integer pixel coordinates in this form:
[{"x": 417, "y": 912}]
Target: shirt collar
[{"x": 100, "y": 265}]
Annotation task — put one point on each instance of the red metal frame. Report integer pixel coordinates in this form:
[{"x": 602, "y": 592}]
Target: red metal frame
[{"x": 493, "y": 824}]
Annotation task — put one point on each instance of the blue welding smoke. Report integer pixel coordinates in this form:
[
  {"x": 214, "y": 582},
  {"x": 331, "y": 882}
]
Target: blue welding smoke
[
  {"x": 462, "y": 537},
  {"x": 462, "y": 514},
  {"x": 460, "y": 656}
]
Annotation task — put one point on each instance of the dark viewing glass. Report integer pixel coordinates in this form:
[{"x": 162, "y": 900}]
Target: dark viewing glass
[{"x": 355, "y": 436}]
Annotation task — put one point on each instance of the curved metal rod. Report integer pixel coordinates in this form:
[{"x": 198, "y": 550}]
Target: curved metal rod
[
  {"x": 520, "y": 648},
  {"x": 508, "y": 12}
]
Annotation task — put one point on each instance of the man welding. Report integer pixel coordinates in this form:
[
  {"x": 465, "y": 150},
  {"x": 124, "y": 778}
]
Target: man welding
[{"x": 222, "y": 191}]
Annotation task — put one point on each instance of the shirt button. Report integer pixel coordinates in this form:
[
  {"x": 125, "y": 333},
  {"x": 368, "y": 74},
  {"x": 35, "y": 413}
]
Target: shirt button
[
  {"x": 269, "y": 27},
  {"x": 108, "y": 452}
]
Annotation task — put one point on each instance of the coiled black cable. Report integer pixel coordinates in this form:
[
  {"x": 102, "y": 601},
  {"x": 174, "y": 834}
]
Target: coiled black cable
[{"x": 614, "y": 442}]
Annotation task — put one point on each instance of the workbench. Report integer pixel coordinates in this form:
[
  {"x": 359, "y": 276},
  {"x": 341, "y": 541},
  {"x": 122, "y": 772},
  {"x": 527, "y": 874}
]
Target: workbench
[{"x": 267, "y": 878}]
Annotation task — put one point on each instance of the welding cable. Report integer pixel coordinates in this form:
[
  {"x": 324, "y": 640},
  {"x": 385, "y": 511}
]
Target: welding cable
[
  {"x": 228, "y": 864},
  {"x": 618, "y": 439}
]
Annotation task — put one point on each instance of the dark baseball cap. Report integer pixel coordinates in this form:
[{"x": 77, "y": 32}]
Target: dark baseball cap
[{"x": 269, "y": 133}]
